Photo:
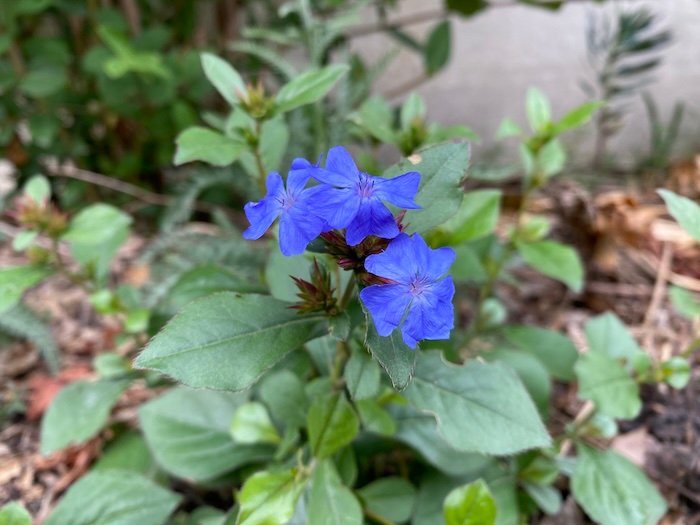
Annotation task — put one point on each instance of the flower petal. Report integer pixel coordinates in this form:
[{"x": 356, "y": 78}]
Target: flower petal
[
  {"x": 301, "y": 164},
  {"x": 298, "y": 227},
  {"x": 399, "y": 191},
  {"x": 431, "y": 316},
  {"x": 338, "y": 206},
  {"x": 262, "y": 214},
  {"x": 396, "y": 262},
  {"x": 387, "y": 304},
  {"x": 274, "y": 184},
  {"x": 337, "y": 180},
  {"x": 340, "y": 161},
  {"x": 430, "y": 263},
  {"x": 373, "y": 218},
  {"x": 297, "y": 179}
]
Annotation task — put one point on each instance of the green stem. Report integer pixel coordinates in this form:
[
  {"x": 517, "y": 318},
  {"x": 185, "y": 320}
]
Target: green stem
[
  {"x": 487, "y": 289},
  {"x": 347, "y": 294},
  {"x": 342, "y": 352},
  {"x": 262, "y": 175}
]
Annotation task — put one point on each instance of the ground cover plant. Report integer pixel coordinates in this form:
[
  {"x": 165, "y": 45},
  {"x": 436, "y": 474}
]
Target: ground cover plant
[{"x": 336, "y": 344}]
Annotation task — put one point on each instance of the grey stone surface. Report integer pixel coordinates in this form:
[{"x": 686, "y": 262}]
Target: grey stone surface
[{"x": 501, "y": 52}]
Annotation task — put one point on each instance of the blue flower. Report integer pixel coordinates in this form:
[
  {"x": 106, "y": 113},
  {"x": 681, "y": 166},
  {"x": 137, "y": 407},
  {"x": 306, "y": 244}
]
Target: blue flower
[
  {"x": 354, "y": 200},
  {"x": 419, "y": 294},
  {"x": 299, "y": 223}
]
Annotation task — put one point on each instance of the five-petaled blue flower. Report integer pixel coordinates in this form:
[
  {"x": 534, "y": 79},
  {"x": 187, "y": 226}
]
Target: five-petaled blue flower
[
  {"x": 299, "y": 222},
  {"x": 419, "y": 293},
  {"x": 354, "y": 200}
]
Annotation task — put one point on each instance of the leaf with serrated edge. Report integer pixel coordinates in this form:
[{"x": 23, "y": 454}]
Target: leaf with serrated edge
[
  {"x": 227, "y": 341},
  {"x": 394, "y": 356},
  {"x": 478, "y": 407}
]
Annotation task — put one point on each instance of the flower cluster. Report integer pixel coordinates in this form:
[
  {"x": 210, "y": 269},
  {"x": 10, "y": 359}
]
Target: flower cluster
[{"x": 347, "y": 209}]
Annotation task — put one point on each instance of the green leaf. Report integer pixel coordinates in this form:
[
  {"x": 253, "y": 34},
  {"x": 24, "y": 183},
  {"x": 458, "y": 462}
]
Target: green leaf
[
  {"x": 16, "y": 280},
  {"x": 394, "y": 356},
  {"x": 227, "y": 340},
  {"x": 206, "y": 145},
  {"x": 203, "y": 281},
  {"x": 577, "y": 117},
  {"x": 470, "y": 504},
  {"x": 508, "y": 128},
  {"x": 676, "y": 372},
  {"x": 684, "y": 301},
  {"x": 554, "y": 260},
  {"x": 78, "y": 412},
  {"x": 467, "y": 266},
  {"x": 531, "y": 372},
  {"x": 251, "y": 424},
  {"x": 269, "y": 498},
  {"x": 330, "y": 502},
  {"x": 393, "y": 498},
  {"x": 332, "y": 424},
  {"x": 419, "y": 431},
  {"x": 283, "y": 393},
  {"x": 43, "y": 82},
  {"x": 274, "y": 137},
  {"x": 114, "y": 498},
  {"x": 14, "y": 513},
  {"x": 279, "y": 272},
  {"x": 309, "y": 87},
  {"x": 22, "y": 323},
  {"x": 442, "y": 169},
  {"x": 554, "y": 350},
  {"x": 547, "y": 497},
  {"x": 437, "y": 48},
  {"x": 37, "y": 189},
  {"x": 412, "y": 109},
  {"x": 174, "y": 422},
  {"x": 477, "y": 217},
  {"x": 23, "y": 240},
  {"x": 95, "y": 234},
  {"x": 362, "y": 376},
  {"x": 129, "y": 452},
  {"x": 478, "y": 407},
  {"x": 605, "y": 381},
  {"x": 613, "y": 491},
  {"x": 685, "y": 211},
  {"x": 551, "y": 159},
  {"x": 539, "y": 113},
  {"x": 467, "y": 7},
  {"x": 223, "y": 77},
  {"x": 376, "y": 118},
  {"x": 375, "y": 418},
  {"x": 608, "y": 336}
]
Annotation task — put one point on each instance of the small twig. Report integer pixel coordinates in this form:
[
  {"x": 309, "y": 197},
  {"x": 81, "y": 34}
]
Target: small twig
[
  {"x": 583, "y": 415},
  {"x": 412, "y": 19},
  {"x": 69, "y": 171},
  {"x": 133, "y": 15},
  {"x": 620, "y": 289},
  {"x": 407, "y": 86},
  {"x": 657, "y": 295}
]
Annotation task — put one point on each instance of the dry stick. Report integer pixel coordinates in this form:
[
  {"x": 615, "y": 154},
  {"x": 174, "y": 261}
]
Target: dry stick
[
  {"x": 586, "y": 412},
  {"x": 423, "y": 17},
  {"x": 657, "y": 295},
  {"x": 55, "y": 169}
]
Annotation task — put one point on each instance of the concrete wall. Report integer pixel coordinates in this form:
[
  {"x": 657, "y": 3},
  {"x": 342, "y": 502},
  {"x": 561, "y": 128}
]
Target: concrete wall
[{"x": 501, "y": 52}]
